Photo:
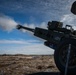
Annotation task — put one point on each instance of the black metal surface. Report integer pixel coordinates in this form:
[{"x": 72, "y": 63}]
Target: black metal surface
[
  {"x": 26, "y": 28},
  {"x": 73, "y": 8}
]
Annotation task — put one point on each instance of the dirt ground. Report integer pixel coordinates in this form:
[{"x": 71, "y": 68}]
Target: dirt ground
[{"x": 26, "y": 64}]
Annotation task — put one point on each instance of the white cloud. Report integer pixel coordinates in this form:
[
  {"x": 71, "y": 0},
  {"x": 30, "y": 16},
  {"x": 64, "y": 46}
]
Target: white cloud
[
  {"x": 12, "y": 42},
  {"x": 24, "y": 47},
  {"x": 7, "y": 23},
  {"x": 69, "y": 19},
  {"x": 37, "y": 49},
  {"x": 43, "y": 25},
  {"x": 48, "y": 9},
  {"x": 18, "y": 41},
  {"x": 35, "y": 5}
]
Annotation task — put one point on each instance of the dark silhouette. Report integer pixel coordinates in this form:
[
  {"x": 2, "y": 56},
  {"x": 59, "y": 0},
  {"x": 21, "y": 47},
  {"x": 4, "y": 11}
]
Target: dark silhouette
[
  {"x": 73, "y": 8},
  {"x": 50, "y": 73},
  {"x": 59, "y": 38},
  {"x": 46, "y": 73},
  {"x": 62, "y": 40}
]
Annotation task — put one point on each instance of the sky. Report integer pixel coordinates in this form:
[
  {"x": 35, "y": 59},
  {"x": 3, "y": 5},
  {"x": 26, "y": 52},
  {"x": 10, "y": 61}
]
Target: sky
[{"x": 30, "y": 13}]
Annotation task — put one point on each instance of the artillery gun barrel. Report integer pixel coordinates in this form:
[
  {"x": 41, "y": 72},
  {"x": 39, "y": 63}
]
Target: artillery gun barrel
[{"x": 26, "y": 28}]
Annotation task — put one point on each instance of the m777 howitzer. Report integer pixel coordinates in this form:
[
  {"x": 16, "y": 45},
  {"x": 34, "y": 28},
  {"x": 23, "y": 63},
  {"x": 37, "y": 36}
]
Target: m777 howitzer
[
  {"x": 58, "y": 37},
  {"x": 54, "y": 34},
  {"x": 62, "y": 40}
]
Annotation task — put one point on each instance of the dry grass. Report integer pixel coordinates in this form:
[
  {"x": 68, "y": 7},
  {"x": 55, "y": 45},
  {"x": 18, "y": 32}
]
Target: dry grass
[{"x": 24, "y": 64}]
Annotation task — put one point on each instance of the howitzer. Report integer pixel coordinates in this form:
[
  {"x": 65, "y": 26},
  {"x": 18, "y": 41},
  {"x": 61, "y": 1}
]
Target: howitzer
[
  {"x": 58, "y": 37},
  {"x": 54, "y": 33}
]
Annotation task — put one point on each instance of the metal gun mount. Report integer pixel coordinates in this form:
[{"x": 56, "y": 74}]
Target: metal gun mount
[{"x": 58, "y": 37}]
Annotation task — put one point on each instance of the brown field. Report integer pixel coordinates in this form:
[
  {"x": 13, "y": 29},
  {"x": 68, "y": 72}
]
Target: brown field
[{"x": 26, "y": 64}]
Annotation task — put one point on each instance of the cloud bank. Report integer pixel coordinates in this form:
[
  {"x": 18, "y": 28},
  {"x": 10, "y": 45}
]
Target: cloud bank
[
  {"x": 28, "y": 47},
  {"x": 69, "y": 19},
  {"x": 18, "y": 41},
  {"x": 48, "y": 9}
]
